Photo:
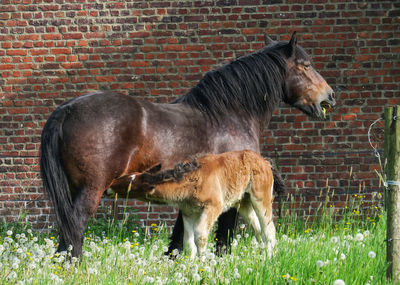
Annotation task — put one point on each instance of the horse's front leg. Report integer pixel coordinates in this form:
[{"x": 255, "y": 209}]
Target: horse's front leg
[
  {"x": 176, "y": 241},
  {"x": 225, "y": 230}
]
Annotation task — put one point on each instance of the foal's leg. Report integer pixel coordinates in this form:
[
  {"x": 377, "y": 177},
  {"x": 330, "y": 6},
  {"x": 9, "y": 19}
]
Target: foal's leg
[
  {"x": 249, "y": 215},
  {"x": 263, "y": 208},
  {"x": 203, "y": 227},
  {"x": 188, "y": 235}
]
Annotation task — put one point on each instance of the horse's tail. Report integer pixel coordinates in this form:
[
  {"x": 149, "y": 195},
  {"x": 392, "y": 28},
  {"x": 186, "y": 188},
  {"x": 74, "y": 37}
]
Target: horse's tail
[
  {"x": 156, "y": 176},
  {"x": 53, "y": 175}
]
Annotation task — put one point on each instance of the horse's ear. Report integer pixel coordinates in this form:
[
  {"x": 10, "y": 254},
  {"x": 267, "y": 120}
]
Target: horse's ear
[
  {"x": 268, "y": 40},
  {"x": 292, "y": 45}
]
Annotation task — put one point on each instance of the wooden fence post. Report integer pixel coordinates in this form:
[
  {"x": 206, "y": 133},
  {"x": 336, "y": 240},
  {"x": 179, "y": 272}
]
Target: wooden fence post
[{"x": 392, "y": 171}]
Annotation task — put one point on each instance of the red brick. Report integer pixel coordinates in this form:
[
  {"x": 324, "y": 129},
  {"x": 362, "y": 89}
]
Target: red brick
[
  {"x": 61, "y": 51},
  {"x": 105, "y": 78},
  {"x": 12, "y": 52}
]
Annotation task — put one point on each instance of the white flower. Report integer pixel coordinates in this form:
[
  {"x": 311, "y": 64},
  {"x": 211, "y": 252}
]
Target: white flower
[
  {"x": 249, "y": 270},
  {"x": 87, "y": 253},
  {"x": 196, "y": 277},
  {"x": 92, "y": 271},
  {"x": 213, "y": 262},
  {"x": 182, "y": 267},
  {"x": 195, "y": 268},
  {"x": 320, "y": 263},
  {"x": 339, "y": 282},
  {"x": 9, "y": 233},
  {"x": 12, "y": 275},
  {"x": 371, "y": 254},
  {"x": 359, "y": 237},
  {"x": 149, "y": 279},
  {"x": 234, "y": 243},
  {"x": 242, "y": 226},
  {"x": 334, "y": 239},
  {"x": 342, "y": 256}
]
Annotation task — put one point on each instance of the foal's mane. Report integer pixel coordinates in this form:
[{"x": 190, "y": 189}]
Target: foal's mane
[
  {"x": 250, "y": 85},
  {"x": 156, "y": 176}
]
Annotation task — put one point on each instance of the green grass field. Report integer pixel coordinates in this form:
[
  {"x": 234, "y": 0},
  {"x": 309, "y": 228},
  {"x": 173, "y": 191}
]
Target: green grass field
[{"x": 349, "y": 251}]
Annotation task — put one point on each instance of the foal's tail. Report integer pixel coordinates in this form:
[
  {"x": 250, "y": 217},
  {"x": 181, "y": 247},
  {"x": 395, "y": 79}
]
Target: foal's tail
[
  {"x": 54, "y": 178},
  {"x": 279, "y": 184}
]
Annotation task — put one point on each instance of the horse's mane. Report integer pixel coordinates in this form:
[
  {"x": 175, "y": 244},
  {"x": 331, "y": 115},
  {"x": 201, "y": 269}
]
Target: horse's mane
[{"x": 250, "y": 85}]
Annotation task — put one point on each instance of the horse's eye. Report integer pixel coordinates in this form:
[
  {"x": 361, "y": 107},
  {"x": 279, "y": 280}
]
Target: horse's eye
[{"x": 307, "y": 66}]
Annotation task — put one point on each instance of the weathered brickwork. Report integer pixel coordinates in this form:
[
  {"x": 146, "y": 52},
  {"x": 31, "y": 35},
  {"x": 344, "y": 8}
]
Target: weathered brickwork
[{"x": 53, "y": 50}]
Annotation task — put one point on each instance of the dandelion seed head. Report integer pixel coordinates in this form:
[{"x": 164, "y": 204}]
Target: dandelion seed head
[
  {"x": 359, "y": 237},
  {"x": 9, "y": 233},
  {"x": 196, "y": 277},
  {"x": 339, "y": 282},
  {"x": 371, "y": 254},
  {"x": 335, "y": 239},
  {"x": 320, "y": 263}
]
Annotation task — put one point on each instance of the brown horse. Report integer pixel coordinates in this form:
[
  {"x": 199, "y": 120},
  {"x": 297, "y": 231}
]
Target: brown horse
[
  {"x": 209, "y": 186},
  {"x": 92, "y": 142}
]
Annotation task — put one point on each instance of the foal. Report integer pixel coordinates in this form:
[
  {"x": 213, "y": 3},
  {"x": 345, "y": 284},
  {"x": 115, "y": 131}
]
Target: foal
[{"x": 210, "y": 185}]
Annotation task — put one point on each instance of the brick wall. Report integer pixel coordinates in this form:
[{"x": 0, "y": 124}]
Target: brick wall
[{"x": 52, "y": 50}]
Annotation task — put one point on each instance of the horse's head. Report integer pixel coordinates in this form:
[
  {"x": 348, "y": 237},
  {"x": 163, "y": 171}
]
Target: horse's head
[{"x": 306, "y": 89}]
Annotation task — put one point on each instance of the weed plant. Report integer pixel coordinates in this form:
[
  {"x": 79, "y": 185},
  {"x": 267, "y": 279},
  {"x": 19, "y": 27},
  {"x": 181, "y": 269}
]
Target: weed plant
[{"x": 320, "y": 251}]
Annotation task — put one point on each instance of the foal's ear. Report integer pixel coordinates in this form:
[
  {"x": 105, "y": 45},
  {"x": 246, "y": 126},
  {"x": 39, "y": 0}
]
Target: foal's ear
[
  {"x": 155, "y": 169},
  {"x": 292, "y": 45}
]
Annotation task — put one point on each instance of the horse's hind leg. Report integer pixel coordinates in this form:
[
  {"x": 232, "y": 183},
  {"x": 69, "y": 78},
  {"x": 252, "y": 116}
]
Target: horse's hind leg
[{"x": 85, "y": 206}]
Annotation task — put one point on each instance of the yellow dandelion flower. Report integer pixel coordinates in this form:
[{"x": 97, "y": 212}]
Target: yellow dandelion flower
[
  {"x": 153, "y": 225},
  {"x": 51, "y": 237},
  {"x": 133, "y": 231}
]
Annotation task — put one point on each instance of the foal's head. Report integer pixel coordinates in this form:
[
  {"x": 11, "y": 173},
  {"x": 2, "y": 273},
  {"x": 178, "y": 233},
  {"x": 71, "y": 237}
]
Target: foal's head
[{"x": 305, "y": 88}]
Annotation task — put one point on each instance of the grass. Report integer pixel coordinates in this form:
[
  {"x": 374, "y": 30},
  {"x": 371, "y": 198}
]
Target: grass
[{"x": 319, "y": 252}]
